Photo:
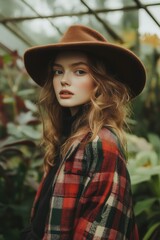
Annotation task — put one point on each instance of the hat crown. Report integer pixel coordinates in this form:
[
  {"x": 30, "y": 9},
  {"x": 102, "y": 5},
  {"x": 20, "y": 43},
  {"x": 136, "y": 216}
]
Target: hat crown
[{"x": 80, "y": 33}]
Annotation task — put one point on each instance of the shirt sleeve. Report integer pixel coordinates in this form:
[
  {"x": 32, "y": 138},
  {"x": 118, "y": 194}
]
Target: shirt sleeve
[{"x": 105, "y": 209}]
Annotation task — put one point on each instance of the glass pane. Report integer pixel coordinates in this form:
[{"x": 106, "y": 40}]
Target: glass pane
[
  {"x": 38, "y": 31},
  {"x": 149, "y": 1},
  {"x": 155, "y": 11},
  {"x": 14, "y": 8},
  {"x": 12, "y": 42},
  {"x": 58, "y": 6},
  {"x": 147, "y": 24}
]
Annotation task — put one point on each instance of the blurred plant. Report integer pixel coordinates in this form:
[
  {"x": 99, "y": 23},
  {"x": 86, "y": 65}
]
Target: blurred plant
[
  {"x": 146, "y": 107},
  {"x": 144, "y": 168},
  {"x": 144, "y": 162},
  {"x": 21, "y": 157},
  {"x": 20, "y": 167}
]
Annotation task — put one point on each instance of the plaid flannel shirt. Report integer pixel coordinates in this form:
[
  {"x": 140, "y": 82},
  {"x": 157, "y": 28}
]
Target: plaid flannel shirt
[{"x": 92, "y": 196}]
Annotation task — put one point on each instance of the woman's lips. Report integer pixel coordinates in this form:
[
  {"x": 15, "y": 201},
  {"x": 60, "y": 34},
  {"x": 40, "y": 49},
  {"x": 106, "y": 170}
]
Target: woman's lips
[{"x": 65, "y": 94}]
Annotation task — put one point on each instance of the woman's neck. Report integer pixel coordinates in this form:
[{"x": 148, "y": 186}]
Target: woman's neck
[{"x": 74, "y": 110}]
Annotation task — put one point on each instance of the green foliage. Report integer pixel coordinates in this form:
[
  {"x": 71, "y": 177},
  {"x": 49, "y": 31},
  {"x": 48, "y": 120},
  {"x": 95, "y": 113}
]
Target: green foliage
[
  {"x": 146, "y": 108},
  {"x": 20, "y": 154},
  {"x": 20, "y": 170},
  {"x": 144, "y": 168},
  {"x": 144, "y": 153}
]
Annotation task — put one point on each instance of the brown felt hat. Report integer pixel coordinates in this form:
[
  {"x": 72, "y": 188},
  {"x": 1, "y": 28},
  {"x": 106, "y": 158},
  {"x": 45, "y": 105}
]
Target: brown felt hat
[{"x": 123, "y": 64}]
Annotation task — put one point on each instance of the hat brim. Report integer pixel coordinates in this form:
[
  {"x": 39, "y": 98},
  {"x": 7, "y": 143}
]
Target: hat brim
[{"x": 123, "y": 64}]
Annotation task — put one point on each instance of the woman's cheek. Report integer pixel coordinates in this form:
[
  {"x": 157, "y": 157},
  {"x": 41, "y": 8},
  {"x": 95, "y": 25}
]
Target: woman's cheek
[{"x": 85, "y": 85}]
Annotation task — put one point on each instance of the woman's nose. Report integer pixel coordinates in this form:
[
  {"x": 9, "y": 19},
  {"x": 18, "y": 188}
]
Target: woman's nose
[{"x": 65, "y": 80}]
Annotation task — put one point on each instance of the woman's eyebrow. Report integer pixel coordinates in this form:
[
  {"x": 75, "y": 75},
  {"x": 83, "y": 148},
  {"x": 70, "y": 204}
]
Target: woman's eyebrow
[
  {"x": 57, "y": 65},
  {"x": 78, "y": 63},
  {"x": 71, "y": 65}
]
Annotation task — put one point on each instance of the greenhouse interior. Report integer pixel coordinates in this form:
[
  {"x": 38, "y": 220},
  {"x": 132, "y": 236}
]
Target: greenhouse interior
[{"x": 132, "y": 24}]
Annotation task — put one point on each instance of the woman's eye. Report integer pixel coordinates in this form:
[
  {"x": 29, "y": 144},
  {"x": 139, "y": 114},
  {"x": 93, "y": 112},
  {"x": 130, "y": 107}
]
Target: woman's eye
[
  {"x": 57, "y": 72},
  {"x": 80, "y": 72}
]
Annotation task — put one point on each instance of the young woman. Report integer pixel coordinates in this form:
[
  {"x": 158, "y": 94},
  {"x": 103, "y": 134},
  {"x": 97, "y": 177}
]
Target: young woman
[{"x": 87, "y": 84}]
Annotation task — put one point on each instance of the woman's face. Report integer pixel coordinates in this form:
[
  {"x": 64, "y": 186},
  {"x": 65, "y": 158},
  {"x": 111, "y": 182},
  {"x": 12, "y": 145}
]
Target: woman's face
[{"x": 72, "y": 82}]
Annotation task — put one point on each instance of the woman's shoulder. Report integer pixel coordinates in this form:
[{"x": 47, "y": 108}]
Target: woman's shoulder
[
  {"x": 104, "y": 139},
  {"x": 104, "y": 151},
  {"x": 109, "y": 140},
  {"x": 107, "y": 134}
]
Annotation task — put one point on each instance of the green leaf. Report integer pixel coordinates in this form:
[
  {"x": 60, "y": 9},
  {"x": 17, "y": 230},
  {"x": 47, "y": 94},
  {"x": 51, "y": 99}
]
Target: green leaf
[
  {"x": 148, "y": 171},
  {"x": 30, "y": 132},
  {"x": 145, "y": 158},
  {"x": 25, "y": 117},
  {"x": 135, "y": 179},
  {"x": 155, "y": 141},
  {"x": 144, "y": 205},
  {"x": 1, "y": 237},
  {"x": 7, "y": 58},
  {"x": 151, "y": 231},
  {"x": 9, "y": 142},
  {"x": 10, "y": 150},
  {"x": 155, "y": 185},
  {"x": 26, "y": 92}
]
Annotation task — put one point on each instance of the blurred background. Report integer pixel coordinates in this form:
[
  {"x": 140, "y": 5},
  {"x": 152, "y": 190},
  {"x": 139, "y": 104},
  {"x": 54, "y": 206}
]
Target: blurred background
[{"x": 134, "y": 24}]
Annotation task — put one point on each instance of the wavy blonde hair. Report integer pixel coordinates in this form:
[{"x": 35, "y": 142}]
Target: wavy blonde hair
[{"x": 108, "y": 106}]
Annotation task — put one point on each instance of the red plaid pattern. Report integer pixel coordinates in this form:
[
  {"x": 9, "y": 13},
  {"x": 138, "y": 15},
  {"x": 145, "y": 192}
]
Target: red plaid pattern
[{"x": 92, "y": 196}]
